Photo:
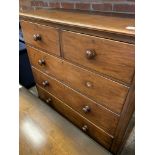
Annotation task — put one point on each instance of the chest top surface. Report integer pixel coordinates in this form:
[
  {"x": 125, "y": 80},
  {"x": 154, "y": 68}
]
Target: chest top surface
[{"x": 111, "y": 24}]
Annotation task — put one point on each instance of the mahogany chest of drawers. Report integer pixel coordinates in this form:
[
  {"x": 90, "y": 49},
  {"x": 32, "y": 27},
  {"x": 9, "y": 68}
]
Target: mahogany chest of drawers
[{"x": 83, "y": 66}]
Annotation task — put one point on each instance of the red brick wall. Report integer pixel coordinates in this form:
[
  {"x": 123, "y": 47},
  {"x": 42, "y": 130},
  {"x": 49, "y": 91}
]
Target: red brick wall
[{"x": 120, "y": 6}]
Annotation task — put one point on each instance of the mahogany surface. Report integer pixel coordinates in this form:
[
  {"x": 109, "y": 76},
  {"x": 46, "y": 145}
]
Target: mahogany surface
[
  {"x": 97, "y": 114},
  {"x": 101, "y": 90},
  {"x": 49, "y": 37},
  {"x": 84, "y": 68},
  {"x": 98, "y": 22},
  {"x": 116, "y": 61}
]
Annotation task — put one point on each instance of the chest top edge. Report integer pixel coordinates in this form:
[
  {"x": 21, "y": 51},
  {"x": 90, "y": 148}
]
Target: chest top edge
[{"x": 96, "y": 24}]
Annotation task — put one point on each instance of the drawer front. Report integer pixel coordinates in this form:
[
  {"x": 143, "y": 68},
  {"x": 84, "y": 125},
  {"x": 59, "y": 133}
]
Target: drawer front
[
  {"x": 98, "y": 88},
  {"x": 89, "y": 128},
  {"x": 112, "y": 58},
  {"x": 43, "y": 37},
  {"x": 86, "y": 107}
]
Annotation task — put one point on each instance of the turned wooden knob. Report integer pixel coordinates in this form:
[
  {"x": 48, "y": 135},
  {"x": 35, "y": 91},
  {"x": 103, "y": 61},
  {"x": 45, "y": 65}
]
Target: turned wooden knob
[
  {"x": 48, "y": 100},
  {"x": 45, "y": 83},
  {"x": 41, "y": 62},
  {"x": 36, "y": 37},
  {"x": 90, "y": 54},
  {"x": 85, "y": 128},
  {"x": 86, "y": 109},
  {"x": 89, "y": 84}
]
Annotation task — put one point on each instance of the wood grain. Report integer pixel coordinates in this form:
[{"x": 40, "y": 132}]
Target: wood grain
[
  {"x": 49, "y": 37},
  {"x": 97, "y": 114},
  {"x": 122, "y": 131},
  {"x": 77, "y": 119},
  {"x": 113, "y": 58},
  {"x": 104, "y": 83},
  {"x": 104, "y": 91},
  {"x": 101, "y": 23}
]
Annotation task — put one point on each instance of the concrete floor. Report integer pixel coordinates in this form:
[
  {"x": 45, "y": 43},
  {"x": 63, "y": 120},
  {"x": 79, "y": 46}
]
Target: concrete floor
[{"x": 129, "y": 148}]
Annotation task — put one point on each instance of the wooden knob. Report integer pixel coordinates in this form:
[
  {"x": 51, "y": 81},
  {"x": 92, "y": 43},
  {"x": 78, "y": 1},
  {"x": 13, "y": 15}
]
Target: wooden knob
[
  {"x": 89, "y": 84},
  {"x": 45, "y": 83},
  {"x": 86, "y": 109},
  {"x": 90, "y": 54},
  {"x": 41, "y": 62},
  {"x": 36, "y": 37},
  {"x": 85, "y": 128},
  {"x": 48, "y": 100}
]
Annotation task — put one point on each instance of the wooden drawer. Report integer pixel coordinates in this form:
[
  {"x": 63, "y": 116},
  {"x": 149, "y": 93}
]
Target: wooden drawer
[
  {"x": 77, "y": 119},
  {"x": 93, "y": 112},
  {"x": 112, "y": 58},
  {"x": 49, "y": 37},
  {"x": 102, "y": 90}
]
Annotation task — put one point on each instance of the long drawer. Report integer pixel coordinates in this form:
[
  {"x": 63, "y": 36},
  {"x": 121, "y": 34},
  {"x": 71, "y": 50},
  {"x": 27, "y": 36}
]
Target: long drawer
[
  {"x": 83, "y": 105},
  {"x": 113, "y": 58},
  {"x": 104, "y": 91},
  {"x": 40, "y": 36},
  {"x": 77, "y": 119}
]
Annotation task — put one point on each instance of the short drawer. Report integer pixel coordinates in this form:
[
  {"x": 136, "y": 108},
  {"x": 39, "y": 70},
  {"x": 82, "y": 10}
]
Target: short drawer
[
  {"x": 112, "y": 58},
  {"x": 83, "y": 105},
  {"x": 89, "y": 128},
  {"x": 40, "y": 36},
  {"x": 102, "y": 90}
]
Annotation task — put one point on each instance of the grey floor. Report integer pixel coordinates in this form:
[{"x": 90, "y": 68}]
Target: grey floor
[{"x": 129, "y": 148}]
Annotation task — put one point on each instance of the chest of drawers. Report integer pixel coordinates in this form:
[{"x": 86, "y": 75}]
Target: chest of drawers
[{"x": 83, "y": 66}]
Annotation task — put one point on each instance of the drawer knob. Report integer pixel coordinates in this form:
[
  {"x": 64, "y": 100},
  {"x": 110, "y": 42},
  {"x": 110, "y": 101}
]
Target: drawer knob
[
  {"x": 36, "y": 37},
  {"x": 90, "y": 54},
  {"x": 89, "y": 84},
  {"x": 85, "y": 128},
  {"x": 48, "y": 100},
  {"x": 41, "y": 62},
  {"x": 86, "y": 109},
  {"x": 45, "y": 83}
]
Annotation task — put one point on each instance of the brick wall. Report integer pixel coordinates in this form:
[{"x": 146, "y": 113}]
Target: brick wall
[{"x": 118, "y": 6}]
